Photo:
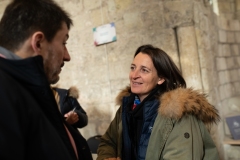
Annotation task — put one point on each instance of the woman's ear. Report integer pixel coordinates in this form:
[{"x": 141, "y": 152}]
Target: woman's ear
[
  {"x": 160, "y": 81},
  {"x": 36, "y": 41}
]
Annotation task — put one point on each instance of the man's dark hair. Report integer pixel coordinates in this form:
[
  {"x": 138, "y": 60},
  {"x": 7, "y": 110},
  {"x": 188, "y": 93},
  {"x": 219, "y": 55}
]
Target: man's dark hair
[
  {"x": 22, "y": 18},
  {"x": 165, "y": 67}
]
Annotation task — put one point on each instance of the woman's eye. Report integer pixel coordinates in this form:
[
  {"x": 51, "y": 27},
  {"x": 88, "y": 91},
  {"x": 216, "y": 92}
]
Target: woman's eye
[
  {"x": 145, "y": 70},
  {"x": 132, "y": 68}
]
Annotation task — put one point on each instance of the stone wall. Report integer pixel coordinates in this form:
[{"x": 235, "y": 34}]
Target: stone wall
[
  {"x": 228, "y": 68},
  {"x": 202, "y": 37}
]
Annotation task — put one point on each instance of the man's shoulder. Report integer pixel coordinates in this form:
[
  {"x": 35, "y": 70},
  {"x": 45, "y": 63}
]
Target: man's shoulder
[{"x": 6, "y": 79}]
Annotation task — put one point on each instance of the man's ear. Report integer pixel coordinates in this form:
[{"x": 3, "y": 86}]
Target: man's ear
[
  {"x": 160, "y": 81},
  {"x": 37, "y": 42}
]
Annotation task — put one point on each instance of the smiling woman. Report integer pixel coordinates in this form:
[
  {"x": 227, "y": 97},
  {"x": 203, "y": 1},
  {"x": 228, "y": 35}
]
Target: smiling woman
[
  {"x": 158, "y": 114},
  {"x": 143, "y": 76}
]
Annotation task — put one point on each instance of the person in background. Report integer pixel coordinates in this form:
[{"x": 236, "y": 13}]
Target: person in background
[
  {"x": 70, "y": 108},
  {"x": 33, "y": 36},
  {"x": 159, "y": 118}
]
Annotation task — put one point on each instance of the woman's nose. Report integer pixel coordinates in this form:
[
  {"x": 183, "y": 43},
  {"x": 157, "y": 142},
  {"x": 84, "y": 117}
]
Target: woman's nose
[{"x": 135, "y": 74}]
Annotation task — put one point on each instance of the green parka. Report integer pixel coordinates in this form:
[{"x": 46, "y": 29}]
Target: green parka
[{"x": 179, "y": 131}]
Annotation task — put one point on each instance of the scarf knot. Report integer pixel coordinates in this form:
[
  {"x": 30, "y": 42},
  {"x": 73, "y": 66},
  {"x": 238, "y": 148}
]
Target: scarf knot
[{"x": 136, "y": 102}]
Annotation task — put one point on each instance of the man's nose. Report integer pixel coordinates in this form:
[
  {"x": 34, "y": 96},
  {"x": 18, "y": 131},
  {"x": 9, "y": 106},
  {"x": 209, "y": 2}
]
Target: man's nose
[{"x": 66, "y": 56}]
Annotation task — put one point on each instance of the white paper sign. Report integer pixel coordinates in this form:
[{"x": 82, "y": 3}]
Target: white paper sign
[{"x": 104, "y": 34}]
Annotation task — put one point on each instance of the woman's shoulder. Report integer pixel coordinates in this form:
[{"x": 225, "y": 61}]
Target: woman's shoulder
[{"x": 177, "y": 103}]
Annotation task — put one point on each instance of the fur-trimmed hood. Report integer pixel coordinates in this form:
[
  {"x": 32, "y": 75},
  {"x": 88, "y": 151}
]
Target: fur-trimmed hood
[
  {"x": 73, "y": 92},
  {"x": 181, "y": 101}
]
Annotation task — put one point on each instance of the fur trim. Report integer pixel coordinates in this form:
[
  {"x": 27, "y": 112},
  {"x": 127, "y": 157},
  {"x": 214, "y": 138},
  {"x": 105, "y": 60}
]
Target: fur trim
[
  {"x": 124, "y": 92},
  {"x": 73, "y": 92},
  {"x": 181, "y": 101}
]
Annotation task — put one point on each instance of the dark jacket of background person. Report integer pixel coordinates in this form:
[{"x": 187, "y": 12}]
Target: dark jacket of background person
[
  {"x": 176, "y": 117},
  {"x": 29, "y": 123},
  {"x": 68, "y": 101}
]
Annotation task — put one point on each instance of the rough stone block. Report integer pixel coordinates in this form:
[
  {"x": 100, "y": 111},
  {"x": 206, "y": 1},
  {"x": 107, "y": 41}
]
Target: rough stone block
[
  {"x": 76, "y": 7},
  {"x": 92, "y": 4},
  {"x": 224, "y": 7},
  {"x": 235, "y": 49},
  {"x": 178, "y": 13},
  {"x": 123, "y": 5},
  {"x": 224, "y": 50},
  {"x": 206, "y": 84},
  {"x": 222, "y": 92},
  {"x": 234, "y": 75},
  {"x": 189, "y": 56},
  {"x": 229, "y": 90},
  {"x": 230, "y": 37},
  {"x": 224, "y": 77},
  {"x": 236, "y": 87},
  {"x": 223, "y": 23},
  {"x": 131, "y": 19},
  {"x": 120, "y": 69},
  {"x": 222, "y": 36},
  {"x": 203, "y": 40},
  {"x": 237, "y": 5},
  {"x": 99, "y": 16},
  {"x": 237, "y": 37},
  {"x": 234, "y": 25},
  {"x": 221, "y": 64},
  {"x": 238, "y": 61},
  {"x": 230, "y": 62},
  {"x": 151, "y": 14}
]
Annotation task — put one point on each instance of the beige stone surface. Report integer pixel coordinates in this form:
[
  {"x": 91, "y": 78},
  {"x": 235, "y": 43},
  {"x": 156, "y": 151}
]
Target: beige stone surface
[
  {"x": 224, "y": 50},
  {"x": 230, "y": 63},
  {"x": 237, "y": 37},
  {"x": 230, "y": 37},
  {"x": 236, "y": 86},
  {"x": 206, "y": 85},
  {"x": 225, "y": 6},
  {"x": 189, "y": 57},
  {"x": 224, "y": 23},
  {"x": 224, "y": 77},
  {"x": 221, "y": 64},
  {"x": 222, "y": 36},
  {"x": 238, "y": 5},
  {"x": 238, "y": 60},
  {"x": 91, "y": 4},
  {"x": 235, "y": 77},
  {"x": 122, "y": 5},
  {"x": 234, "y": 24},
  {"x": 178, "y": 13},
  {"x": 204, "y": 49},
  {"x": 235, "y": 49}
]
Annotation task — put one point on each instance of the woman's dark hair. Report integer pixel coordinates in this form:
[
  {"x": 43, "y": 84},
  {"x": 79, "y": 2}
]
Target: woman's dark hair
[
  {"x": 165, "y": 67},
  {"x": 22, "y": 18}
]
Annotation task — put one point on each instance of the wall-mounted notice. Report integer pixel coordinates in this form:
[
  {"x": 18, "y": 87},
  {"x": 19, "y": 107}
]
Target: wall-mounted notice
[{"x": 104, "y": 34}]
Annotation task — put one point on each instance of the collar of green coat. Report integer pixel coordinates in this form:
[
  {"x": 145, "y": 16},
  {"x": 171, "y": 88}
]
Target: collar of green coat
[{"x": 180, "y": 102}]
